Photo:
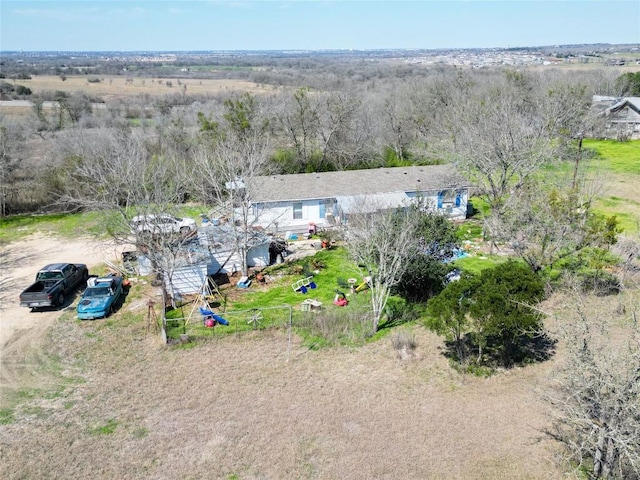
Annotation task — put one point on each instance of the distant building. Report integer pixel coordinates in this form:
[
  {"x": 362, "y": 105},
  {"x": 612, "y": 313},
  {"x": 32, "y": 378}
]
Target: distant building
[{"x": 622, "y": 115}]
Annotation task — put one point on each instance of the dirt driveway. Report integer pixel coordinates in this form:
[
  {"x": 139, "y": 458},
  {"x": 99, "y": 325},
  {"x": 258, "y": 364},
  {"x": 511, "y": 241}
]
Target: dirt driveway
[{"x": 20, "y": 329}]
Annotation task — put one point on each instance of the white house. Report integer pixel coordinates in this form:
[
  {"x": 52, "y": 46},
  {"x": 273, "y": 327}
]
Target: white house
[{"x": 291, "y": 202}]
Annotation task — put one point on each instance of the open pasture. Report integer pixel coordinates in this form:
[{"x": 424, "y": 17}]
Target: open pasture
[{"x": 121, "y": 86}]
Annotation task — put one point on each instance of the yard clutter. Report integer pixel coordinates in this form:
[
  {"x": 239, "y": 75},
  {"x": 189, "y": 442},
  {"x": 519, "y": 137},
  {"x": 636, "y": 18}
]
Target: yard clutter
[
  {"x": 310, "y": 305},
  {"x": 351, "y": 282},
  {"x": 304, "y": 285},
  {"x": 340, "y": 299},
  {"x": 210, "y": 319},
  {"x": 366, "y": 283}
]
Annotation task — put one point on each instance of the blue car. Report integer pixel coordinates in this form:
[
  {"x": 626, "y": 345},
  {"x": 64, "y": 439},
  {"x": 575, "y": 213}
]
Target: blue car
[{"x": 100, "y": 297}]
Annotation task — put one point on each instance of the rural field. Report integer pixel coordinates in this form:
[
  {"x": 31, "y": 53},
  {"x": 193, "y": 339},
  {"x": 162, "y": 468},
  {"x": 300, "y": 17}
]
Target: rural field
[
  {"x": 108, "y": 399},
  {"x": 120, "y": 86}
]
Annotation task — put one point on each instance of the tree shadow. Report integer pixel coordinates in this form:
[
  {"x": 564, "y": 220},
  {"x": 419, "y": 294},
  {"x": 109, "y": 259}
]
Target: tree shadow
[
  {"x": 394, "y": 322},
  {"x": 527, "y": 349}
]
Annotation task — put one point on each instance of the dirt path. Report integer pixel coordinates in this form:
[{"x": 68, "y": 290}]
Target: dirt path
[{"x": 21, "y": 330}]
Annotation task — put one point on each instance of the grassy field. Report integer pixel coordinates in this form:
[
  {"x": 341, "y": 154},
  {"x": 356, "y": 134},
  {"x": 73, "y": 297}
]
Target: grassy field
[
  {"x": 62, "y": 224},
  {"x": 617, "y": 168},
  {"x": 616, "y": 157}
]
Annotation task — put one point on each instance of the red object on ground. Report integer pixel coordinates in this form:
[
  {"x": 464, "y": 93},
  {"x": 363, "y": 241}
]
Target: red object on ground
[{"x": 210, "y": 323}]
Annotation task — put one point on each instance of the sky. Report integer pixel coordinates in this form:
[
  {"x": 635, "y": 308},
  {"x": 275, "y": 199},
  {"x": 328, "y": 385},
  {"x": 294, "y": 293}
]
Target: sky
[{"x": 184, "y": 25}]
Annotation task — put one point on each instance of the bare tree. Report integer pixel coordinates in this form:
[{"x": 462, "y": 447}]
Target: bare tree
[
  {"x": 227, "y": 168},
  {"x": 342, "y": 134},
  {"x": 380, "y": 240},
  {"x": 545, "y": 223},
  {"x": 75, "y": 107},
  {"x": 114, "y": 171},
  {"x": 596, "y": 398},
  {"x": 399, "y": 128},
  {"x": 11, "y": 144},
  {"x": 500, "y": 138},
  {"x": 299, "y": 122},
  {"x": 567, "y": 105},
  {"x": 42, "y": 123},
  {"x": 230, "y": 153}
]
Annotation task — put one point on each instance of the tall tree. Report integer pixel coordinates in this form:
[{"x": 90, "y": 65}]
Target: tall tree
[
  {"x": 114, "y": 171},
  {"x": 300, "y": 123},
  {"x": 11, "y": 144},
  {"x": 629, "y": 84},
  {"x": 227, "y": 166},
  {"x": 379, "y": 242},
  {"x": 567, "y": 106},
  {"x": 499, "y": 138}
]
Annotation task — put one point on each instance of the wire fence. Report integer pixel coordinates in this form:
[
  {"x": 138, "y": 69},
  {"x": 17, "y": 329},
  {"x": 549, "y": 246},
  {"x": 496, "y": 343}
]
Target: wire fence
[
  {"x": 199, "y": 324},
  {"x": 331, "y": 326}
]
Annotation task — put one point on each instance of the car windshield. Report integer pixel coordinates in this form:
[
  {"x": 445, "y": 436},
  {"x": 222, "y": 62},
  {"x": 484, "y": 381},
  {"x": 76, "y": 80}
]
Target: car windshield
[
  {"x": 49, "y": 276},
  {"x": 96, "y": 292}
]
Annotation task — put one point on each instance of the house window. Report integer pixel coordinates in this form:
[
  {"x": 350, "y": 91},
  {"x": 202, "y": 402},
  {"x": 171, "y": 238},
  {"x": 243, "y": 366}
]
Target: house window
[
  {"x": 447, "y": 198},
  {"x": 297, "y": 211}
]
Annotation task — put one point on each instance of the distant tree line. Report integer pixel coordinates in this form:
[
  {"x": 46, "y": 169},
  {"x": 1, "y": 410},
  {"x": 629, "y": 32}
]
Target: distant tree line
[{"x": 342, "y": 115}]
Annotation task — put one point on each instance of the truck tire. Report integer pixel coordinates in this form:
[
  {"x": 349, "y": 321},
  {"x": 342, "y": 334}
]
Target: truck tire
[{"x": 60, "y": 299}]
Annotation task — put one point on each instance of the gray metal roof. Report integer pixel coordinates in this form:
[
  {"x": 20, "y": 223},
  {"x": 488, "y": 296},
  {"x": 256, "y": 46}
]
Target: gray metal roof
[
  {"x": 633, "y": 102},
  {"x": 309, "y": 186}
]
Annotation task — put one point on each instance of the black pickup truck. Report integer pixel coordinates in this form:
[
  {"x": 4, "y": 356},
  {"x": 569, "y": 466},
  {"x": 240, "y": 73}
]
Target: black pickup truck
[{"x": 53, "y": 283}]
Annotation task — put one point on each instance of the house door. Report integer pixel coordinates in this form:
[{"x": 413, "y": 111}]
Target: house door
[{"x": 323, "y": 205}]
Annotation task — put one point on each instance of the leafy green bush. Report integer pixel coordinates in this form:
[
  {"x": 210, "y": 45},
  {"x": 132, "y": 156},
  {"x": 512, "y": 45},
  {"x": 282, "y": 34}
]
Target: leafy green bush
[
  {"x": 491, "y": 315},
  {"x": 22, "y": 90},
  {"x": 422, "y": 279}
]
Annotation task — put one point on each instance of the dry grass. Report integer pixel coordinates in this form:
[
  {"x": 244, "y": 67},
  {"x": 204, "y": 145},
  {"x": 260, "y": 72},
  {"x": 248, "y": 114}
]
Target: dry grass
[
  {"x": 115, "y": 403},
  {"x": 120, "y": 86},
  {"x": 237, "y": 406}
]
